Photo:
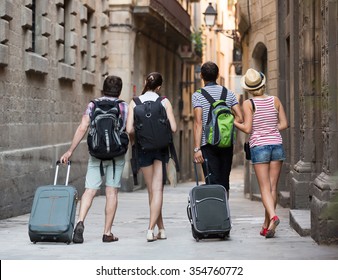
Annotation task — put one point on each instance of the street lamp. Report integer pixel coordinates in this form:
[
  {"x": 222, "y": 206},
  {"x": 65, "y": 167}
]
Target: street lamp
[{"x": 210, "y": 15}]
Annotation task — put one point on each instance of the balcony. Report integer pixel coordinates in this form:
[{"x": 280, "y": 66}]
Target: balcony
[{"x": 167, "y": 18}]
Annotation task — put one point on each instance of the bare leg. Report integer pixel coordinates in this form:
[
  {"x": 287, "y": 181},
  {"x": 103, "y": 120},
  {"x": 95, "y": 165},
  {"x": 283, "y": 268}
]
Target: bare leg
[
  {"x": 110, "y": 210},
  {"x": 86, "y": 203},
  {"x": 266, "y": 219},
  {"x": 275, "y": 169},
  {"x": 148, "y": 179},
  {"x": 262, "y": 174},
  {"x": 153, "y": 178}
]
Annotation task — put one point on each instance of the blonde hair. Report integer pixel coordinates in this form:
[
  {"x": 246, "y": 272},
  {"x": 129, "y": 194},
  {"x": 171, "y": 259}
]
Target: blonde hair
[{"x": 257, "y": 92}]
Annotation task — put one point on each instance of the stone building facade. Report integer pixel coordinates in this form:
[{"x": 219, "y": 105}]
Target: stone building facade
[
  {"x": 297, "y": 41},
  {"x": 308, "y": 77},
  {"x": 54, "y": 56}
]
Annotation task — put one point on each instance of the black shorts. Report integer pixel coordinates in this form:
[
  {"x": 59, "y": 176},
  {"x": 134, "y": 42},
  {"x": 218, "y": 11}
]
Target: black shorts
[{"x": 147, "y": 158}]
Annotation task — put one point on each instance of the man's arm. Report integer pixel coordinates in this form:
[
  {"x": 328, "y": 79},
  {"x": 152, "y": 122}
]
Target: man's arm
[
  {"x": 198, "y": 113},
  {"x": 79, "y": 134}
]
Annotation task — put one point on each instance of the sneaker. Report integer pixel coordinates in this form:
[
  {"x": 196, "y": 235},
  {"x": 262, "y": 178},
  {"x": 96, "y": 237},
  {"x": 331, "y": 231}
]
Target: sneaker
[
  {"x": 161, "y": 234},
  {"x": 78, "y": 233},
  {"x": 150, "y": 235},
  {"x": 109, "y": 238}
]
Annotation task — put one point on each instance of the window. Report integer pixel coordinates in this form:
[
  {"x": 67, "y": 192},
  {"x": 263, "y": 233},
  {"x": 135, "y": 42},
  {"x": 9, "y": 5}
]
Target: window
[{"x": 37, "y": 29}]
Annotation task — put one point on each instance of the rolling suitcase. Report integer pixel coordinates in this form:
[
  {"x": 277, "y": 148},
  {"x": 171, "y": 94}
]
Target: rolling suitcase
[
  {"x": 208, "y": 210},
  {"x": 53, "y": 212}
]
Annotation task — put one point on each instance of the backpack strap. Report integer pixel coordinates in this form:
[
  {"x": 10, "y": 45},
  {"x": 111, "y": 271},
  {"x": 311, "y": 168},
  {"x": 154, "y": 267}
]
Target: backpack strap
[
  {"x": 207, "y": 96},
  {"x": 116, "y": 102},
  {"x": 210, "y": 99},
  {"x": 134, "y": 163},
  {"x": 137, "y": 100},
  {"x": 173, "y": 155},
  {"x": 253, "y": 105},
  {"x": 134, "y": 153},
  {"x": 224, "y": 94}
]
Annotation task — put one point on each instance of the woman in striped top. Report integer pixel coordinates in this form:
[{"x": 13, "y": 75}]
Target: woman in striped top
[{"x": 264, "y": 118}]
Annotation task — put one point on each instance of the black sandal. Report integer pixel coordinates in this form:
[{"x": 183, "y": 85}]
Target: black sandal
[{"x": 109, "y": 238}]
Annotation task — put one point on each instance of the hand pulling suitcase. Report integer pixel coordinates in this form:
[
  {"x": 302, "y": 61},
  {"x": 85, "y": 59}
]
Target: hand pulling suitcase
[
  {"x": 53, "y": 212},
  {"x": 208, "y": 210}
]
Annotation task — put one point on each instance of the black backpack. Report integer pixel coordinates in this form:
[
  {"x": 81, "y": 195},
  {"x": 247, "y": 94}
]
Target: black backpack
[
  {"x": 106, "y": 137},
  {"x": 152, "y": 127}
]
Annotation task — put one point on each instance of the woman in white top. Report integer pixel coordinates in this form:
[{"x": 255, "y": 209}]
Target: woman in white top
[{"x": 151, "y": 162}]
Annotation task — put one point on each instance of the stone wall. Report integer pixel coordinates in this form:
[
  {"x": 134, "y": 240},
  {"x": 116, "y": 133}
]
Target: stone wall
[
  {"x": 308, "y": 76},
  {"x": 52, "y": 61}
]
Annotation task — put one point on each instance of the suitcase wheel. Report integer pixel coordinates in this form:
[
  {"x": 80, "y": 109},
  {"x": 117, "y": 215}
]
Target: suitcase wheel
[
  {"x": 194, "y": 234},
  {"x": 225, "y": 235}
]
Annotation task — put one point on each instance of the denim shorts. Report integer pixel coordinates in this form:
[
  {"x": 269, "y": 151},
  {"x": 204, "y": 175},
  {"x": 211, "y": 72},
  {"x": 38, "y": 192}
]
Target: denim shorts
[
  {"x": 267, "y": 153},
  {"x": 113, "y": 179}
]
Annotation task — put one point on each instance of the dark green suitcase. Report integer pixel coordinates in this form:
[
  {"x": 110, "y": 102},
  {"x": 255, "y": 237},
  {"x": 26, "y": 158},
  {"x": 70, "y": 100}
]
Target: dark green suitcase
[{"x": 52, "y": 217}]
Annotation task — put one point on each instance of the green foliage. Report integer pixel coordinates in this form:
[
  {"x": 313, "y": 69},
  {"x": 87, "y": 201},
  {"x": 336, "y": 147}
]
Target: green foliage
[{"x": 197, "y": 41}]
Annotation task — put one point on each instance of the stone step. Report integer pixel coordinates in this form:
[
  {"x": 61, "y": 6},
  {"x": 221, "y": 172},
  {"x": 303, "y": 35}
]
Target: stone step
[{"x": 300, "y": 221}]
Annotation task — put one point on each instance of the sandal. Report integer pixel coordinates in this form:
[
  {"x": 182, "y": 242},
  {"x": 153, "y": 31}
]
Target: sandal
[
  {"x": 263, "y": 231},
  {"x": 274, "y": 222},
  {"x": 109, "y": 238}
]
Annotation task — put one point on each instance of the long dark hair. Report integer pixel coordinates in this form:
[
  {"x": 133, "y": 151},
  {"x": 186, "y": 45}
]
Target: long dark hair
[{"x": 153, "y": 81}]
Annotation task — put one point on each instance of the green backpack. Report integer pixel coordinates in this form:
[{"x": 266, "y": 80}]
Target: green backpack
[{"x": 220, "y": 128}]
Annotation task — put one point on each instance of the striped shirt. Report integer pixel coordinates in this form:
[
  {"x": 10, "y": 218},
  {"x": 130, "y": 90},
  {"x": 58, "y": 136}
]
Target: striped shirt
[
  {"x": 264, "y": 123},
  {"x": 198, "y": 100},
  {"x": 123, "y": 108}
]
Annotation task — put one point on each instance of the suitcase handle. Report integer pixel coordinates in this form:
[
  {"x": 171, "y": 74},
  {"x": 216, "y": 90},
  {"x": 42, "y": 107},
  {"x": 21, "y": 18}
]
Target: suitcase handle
[
  {"x": 57, "y": 172},
  {"x": 189, "y": 213},
  {"x": 196, "y": 175},
  {"x": 207, "y": 168}
]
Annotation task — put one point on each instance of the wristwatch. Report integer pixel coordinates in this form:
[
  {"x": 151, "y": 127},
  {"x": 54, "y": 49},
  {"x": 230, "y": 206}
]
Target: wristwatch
[{"x": 196, "y": 150}]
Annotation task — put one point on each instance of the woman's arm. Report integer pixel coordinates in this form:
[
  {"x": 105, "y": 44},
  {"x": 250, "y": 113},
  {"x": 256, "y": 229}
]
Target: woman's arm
[
  {"x": 246, "y": 125},
  {"x": 130, "y": 118},
  {"x": 282, "y": 121},
  {"x": 238, "y": 113},
  {"x": 171, "y": 117}
]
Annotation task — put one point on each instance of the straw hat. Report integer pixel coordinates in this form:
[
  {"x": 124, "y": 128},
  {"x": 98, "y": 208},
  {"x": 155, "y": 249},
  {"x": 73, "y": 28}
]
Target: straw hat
[{"x": 252, "y": 80}]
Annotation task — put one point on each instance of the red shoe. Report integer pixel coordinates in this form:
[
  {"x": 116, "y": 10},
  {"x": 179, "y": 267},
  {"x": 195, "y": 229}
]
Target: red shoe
[
  {"x": 274, "y": 222},
  {"x": 263, "y": 231}
]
